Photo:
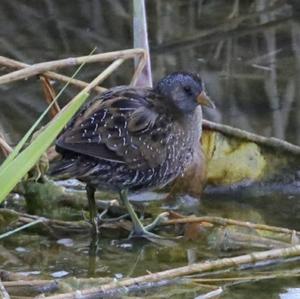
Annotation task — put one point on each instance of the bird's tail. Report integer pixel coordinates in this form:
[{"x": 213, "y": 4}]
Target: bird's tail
[{"x": 69, "y": 168}]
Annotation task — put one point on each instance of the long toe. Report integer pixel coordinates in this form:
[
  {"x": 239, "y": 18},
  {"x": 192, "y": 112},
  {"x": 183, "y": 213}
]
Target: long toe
[
  {"x": 154, "y": 238},
  {"x": 161, "y": 218}
]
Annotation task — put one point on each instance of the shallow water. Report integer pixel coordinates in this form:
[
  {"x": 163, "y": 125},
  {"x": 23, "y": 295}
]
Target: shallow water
[
  {"x": 45, "y": 258},
  {"x": 250, "y": 63}
]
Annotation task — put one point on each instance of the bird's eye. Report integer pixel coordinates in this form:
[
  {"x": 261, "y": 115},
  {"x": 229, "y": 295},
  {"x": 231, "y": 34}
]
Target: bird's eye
[{"x": 187, "y": 89}]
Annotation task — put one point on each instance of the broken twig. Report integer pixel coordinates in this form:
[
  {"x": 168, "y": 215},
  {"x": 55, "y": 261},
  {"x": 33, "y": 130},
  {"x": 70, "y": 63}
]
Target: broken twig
[
  {"x": 267, "y": 141},
  {"x": 182, "y": 271},
  {"x": 42, "y": 67},
  {"x": 11, "y": 63},
  {"x": 227, "y": 221}
]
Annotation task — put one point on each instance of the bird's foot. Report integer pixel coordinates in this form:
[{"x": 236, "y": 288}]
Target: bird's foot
[
  {"x": 103, "y": 219},
  {"x": 149, "y": 236},
  {"x": 143, "y": 233},
  {"x": 100, "y": 218},
  {"x": 140, "y": 231},
  {"x": 157, "y": 221}
]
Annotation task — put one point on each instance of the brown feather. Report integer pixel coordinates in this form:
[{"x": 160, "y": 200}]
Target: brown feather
[{"x": 119, "y": 129}]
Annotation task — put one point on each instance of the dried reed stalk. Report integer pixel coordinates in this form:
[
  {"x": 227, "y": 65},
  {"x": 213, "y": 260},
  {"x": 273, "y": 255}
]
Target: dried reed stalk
[
  {"x": 11, "y": 63},
  {"x": 43, "y": 67},
  {"x": 6, "y": 148},
  {"x": 227, "y": 221},
  {"x": 182, "y": 271},
  {"x": 267, "y": 141}
]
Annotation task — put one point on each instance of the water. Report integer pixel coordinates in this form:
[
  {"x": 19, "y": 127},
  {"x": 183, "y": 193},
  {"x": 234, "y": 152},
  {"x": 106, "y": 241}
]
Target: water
[
  {"x": 73, "y": 255},
  {"x": 250, "y": 63}
]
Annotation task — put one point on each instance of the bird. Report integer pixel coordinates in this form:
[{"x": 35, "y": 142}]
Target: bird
[{"x": 130, "y": 139}]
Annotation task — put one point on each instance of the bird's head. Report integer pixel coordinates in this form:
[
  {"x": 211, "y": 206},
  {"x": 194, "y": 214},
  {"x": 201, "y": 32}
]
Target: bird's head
[{"x": 184, "y": 90}]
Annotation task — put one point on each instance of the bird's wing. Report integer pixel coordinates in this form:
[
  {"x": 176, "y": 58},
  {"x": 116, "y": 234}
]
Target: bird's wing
[{"x": 123, "y": 125}]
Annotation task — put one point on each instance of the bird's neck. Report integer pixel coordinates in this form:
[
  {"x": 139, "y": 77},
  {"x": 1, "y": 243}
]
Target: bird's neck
[{"x": 195, "y": 123}]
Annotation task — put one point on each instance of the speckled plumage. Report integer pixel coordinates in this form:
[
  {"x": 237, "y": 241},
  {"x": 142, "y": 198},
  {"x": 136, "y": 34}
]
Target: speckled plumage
[
  {"x": 134, "y": 138},
  {"x": 130, "y": 139}
]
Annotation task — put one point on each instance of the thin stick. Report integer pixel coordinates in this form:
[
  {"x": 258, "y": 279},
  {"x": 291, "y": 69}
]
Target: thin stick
[
  {"x": 227, "y": 221},
  {"x": 11, "y": 63},
  {"x": 221, "y": 31},
  {"x": 12, "y": 276},
  {"x": 55, "y": 64},
  {"x": 113, "y": 66},
  {"x": 182, "y": 271},
  {"x": 246, "y": 278},
  {"x": 50, "y": 286},
  {"x": 3, "y": 292},
  {"x": 58, "y": 227},
  {"x": 267, "y": 141},
  {"x": 32, "y": 223},
  {"x": 5, "y": 146},
  {"x": 140, "y": 40},
  {"x": 52, "y": 225},
  {"x": 138, "y": 71},
  {"x": 50, "y": 95},
  {"x": 212, "y": 294},
  {"x": 31, "y": 286}
]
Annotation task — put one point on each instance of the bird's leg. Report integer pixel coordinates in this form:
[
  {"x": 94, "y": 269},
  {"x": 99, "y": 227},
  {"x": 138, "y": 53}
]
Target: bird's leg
[
  {"x": 90, "y": 191},
  {"x": 138, "y": 229}
]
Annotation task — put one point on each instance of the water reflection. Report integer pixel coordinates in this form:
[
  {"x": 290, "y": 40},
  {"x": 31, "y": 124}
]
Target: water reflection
[
  {"x": 248, "y": 55},
  {"x": 247, "y": 51}
]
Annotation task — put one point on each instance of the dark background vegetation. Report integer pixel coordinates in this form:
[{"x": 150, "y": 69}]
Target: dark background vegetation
[{"x": 248, "y": 53}]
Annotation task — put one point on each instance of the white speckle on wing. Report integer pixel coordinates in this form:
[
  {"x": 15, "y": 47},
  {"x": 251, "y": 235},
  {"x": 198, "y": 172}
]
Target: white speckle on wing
[
  {"x": 152, "y": 174},
  {"x": 135, "y": 177},
  {"x": 104, "y": 115},
  {"x": 166, "y": 169}
]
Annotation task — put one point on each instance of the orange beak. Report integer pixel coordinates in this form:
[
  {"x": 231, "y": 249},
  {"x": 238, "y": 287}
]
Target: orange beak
[{"x": 203, "y": 99}]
